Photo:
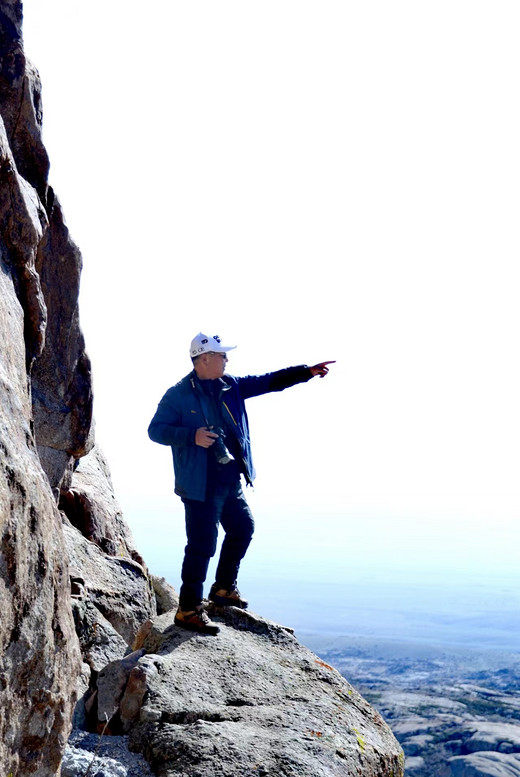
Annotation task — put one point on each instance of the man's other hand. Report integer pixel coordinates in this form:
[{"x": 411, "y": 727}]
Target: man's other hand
[
  {"x": 321, "y": 369},
  {"x": 204, "y": 437}
]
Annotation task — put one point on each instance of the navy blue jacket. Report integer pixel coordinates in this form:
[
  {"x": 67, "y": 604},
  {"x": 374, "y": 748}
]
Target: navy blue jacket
[{"x": 182, "y": 411}]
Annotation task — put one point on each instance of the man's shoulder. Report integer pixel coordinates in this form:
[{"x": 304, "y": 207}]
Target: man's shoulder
[
  {"x": 230, "y": 380},
  {"x": 182, "y": 386}
]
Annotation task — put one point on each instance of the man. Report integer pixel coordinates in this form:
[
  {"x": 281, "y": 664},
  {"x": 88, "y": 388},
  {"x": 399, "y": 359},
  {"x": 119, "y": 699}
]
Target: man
[{"x": 203, "y": 418}]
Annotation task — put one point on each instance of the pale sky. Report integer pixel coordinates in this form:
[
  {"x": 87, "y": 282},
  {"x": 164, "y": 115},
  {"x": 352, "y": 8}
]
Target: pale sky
[{"x": 310, "y": 181}]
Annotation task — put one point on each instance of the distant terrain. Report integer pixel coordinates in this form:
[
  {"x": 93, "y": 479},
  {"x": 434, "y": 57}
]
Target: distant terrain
[{"x": 455, "y": 710}]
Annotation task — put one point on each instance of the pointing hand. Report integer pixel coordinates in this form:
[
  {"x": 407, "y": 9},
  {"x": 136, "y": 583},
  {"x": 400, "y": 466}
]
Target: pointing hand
[{"x": 321, "y": 369}]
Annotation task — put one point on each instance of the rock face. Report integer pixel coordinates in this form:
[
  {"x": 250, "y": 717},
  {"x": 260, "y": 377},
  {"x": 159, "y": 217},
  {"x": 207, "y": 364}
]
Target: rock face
[
  {"x": 90, "y": 504},
  {"x": 40, "y": 658},
  {"x": 45, "y": 427},
  {"x": 86, "y": 634}
]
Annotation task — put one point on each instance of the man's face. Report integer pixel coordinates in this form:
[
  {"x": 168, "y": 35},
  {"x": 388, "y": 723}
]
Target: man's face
[{"x": 216, "y": 364}]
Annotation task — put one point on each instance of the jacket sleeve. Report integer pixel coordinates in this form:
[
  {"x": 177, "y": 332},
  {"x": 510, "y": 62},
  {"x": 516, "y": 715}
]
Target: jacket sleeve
[
  {"x": 255, "y": 385},
  {"x": 165, "y": 427}
]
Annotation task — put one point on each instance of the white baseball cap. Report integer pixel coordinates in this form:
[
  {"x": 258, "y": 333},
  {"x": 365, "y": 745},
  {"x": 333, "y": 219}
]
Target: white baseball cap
[{"x": 204, "y": 343}]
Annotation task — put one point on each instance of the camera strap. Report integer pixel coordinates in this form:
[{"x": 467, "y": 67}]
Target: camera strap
[{"x": 202, "y": 400}]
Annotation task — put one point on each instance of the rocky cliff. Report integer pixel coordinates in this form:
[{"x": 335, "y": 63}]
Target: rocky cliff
[
  {"x": 86, "y": 632},
  {"x": 40, "y": 656}
]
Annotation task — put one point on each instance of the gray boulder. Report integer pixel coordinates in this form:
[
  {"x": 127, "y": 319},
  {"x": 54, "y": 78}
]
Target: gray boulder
[
  {"x": 78, "y": 763},
  {"x": 251, "y": 701}
]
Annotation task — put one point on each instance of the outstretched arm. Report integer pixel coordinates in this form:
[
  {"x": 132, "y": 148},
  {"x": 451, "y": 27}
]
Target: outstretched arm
[
  {"x": 254, "y": 385},
  {"x": 321, "y": 369}
]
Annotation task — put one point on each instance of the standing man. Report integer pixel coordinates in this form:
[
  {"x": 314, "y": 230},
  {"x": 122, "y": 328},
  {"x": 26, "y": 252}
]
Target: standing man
[{"x": 203, "y": 418}]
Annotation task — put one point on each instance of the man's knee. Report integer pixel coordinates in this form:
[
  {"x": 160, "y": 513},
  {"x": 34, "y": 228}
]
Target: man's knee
[
  {"x": 248, "y": 523},
  {"x": 250, "y": 530},
  {"x": 201, "y": 530},
  {"x": 237, "y": 518},
  {"x": 201, "y": 546},
  {"x": 242, "y": 533}
]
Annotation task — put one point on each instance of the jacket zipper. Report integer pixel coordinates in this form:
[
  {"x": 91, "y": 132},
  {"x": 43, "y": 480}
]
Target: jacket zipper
[{"x": 230, "y": 413}]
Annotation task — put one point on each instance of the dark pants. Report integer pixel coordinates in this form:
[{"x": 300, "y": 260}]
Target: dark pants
[{"x": 225, "y": 504}]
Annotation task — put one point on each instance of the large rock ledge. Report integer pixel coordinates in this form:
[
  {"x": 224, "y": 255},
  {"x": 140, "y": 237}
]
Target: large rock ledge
[{"x": 250, "y": 701}]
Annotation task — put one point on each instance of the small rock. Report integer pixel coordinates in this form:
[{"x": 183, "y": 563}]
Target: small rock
[
  {"x": 150, "y": 715},
  {"x": 112, "y": 682},
  {"x": 76, "y": 763},
  {"x": 165, "y": 594}
]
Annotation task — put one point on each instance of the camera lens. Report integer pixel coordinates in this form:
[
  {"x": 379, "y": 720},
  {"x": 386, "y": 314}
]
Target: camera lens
[{"x": 222, "y": 454}]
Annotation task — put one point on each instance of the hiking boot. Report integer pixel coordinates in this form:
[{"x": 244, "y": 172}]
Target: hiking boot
[
  {"x": 196, "y": 620},
  {"x": 227, "y": 597}
]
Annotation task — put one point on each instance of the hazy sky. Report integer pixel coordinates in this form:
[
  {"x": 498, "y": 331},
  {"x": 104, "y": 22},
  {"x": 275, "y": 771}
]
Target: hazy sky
[{"x": 310, "y": 180}]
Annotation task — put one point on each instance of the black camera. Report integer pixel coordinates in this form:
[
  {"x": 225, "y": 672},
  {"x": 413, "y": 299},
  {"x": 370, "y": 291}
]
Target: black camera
[{"x": 222, "y": 454}]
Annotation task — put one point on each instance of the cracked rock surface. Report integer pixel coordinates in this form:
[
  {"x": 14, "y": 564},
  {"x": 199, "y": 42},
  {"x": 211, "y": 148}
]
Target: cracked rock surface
[{"x": 252, "y": 700}]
